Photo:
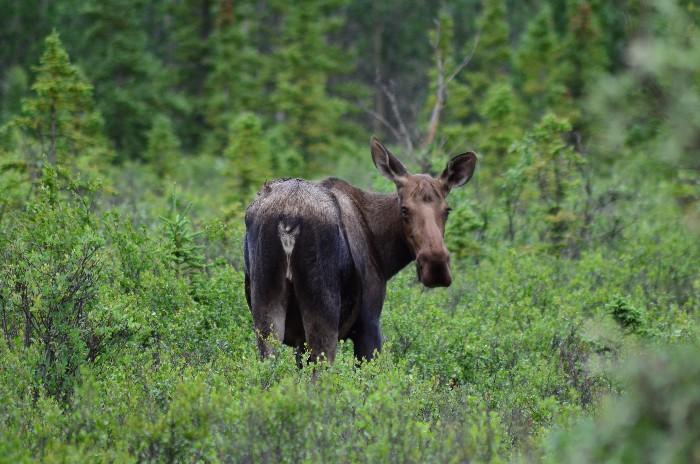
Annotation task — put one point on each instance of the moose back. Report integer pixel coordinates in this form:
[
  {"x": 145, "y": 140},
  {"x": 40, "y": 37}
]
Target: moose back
[{"x": 318, "y": 255}]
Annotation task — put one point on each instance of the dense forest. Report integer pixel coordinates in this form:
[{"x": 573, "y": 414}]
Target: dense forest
[{"x": 134, "y": 133}]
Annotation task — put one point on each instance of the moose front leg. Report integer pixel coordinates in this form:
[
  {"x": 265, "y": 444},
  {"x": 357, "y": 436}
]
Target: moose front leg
[
  {"x": 366, "y": 337},
  {"x": 366, "y": 334}
]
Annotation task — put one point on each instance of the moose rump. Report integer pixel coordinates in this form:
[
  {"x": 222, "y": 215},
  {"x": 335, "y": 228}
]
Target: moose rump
[{"x": 299, "y": 273}]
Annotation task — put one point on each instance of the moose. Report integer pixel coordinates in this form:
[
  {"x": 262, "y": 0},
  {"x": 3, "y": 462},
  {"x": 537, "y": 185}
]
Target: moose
[{"x": 318, "y": 256}]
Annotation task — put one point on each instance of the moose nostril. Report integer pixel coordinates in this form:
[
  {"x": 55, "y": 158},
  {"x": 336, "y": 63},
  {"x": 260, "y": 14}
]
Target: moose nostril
[
  {"x": 434, "y": 268},
  {"x": 435, "y": 276},
  {"x": 446, "y": 280},
  {"x": 434, "y": 257}
]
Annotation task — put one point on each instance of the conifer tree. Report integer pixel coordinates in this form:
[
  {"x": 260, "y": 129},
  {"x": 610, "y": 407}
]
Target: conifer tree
[
  {"x": 129, "y": 83},
  {"x": 163, "y": 146},
  {"x": 248, "y": 155},
  {"x": 309, "y": 115},
  {"x": 494, "y": 45},
  {"x": 237, "y": 77},
  {"x": 491, "y": 61},
  {"x": 12, "y": 89},
  {"x": 60, "y": 118},
  {"x": 187, "y": 46},
  {"x": 548, "y": 173},
  {"x": 584, "y": 49},
  {"x": 502, "y": 113},
  {"x": 179, "y": 34},
  {"x": 537, "y": 62}
]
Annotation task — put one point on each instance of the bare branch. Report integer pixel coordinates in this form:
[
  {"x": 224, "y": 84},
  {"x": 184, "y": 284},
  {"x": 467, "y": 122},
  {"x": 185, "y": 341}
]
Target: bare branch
[
  {"x": 400, "y": 130},
  {"x": 441, "y": 87},
  {"x": 406, "y": 135},
  {"x": 440, "y": 91},
  {"x": 394, "y": 131},
  {"x": 466, "y": 59}
]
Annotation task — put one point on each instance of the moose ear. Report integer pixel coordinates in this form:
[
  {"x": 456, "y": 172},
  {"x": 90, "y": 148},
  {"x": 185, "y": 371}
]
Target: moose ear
[
  {"x": 386, "y": 163},
  {"x": 458, "y": 171}
]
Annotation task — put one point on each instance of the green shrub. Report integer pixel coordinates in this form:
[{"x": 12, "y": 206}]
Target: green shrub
[{"x": 656, "y": 420}]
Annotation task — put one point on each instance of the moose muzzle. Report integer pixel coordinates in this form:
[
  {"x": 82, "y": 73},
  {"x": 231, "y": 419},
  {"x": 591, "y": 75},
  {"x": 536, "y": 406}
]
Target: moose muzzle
[{"x": 434, "y": 268}]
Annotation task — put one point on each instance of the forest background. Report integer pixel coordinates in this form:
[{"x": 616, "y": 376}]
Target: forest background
[{"x": 134, "y": 133}]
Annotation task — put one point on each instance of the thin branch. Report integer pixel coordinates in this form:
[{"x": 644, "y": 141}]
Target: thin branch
[
  {"x": 406, "y": 135},
  {"x": 440, "y": 91},
  {"x": 442, "y": 82},
  {"x": 466, "y": 59},
  {"x": 394, "y": 131}
]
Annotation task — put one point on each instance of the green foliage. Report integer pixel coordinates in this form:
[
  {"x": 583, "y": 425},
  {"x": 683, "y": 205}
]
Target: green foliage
[
  {"x": 175, "y": 375},
  {"x": 125, "y": 334},
  {"x": 649, "y": 108},
  {"x": 655, "y": 421},
  {"x": 625, "y": 314},
  {"x": 502, "y": 111},
  {"x": 654, "y": 80},
  {"x": 50, "y": 278},
  {"x": 538, "y": 63},
  {"x": 129, "y": 85},
  {"x": 60, "y": 121},
  {"x": 305, "y": 61},
  {"x": 494, "y": 58},
  {"x": 544, "y": 182},
  {"x": 238, "y": 74},
  {"x": 162, "y": 146},
  {"x": 249, "y": 155},
  {"x": 185, "y": 255},
  {"x": 13, "y": 88},
  {"x": 490, "y": 63},
  {"x": 585, "y": 57},
  {"x": 459, "y": 234}
]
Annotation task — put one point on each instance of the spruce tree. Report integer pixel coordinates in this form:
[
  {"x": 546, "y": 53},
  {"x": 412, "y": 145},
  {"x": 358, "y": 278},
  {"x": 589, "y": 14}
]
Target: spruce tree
[
  {"x": 584, "y": 54},
  {"x": 162, "y": 146},
  {"x": 179, "y": 34},
  {"x": 502, "y": 112},
  {"x": 491, "y": 61},
  {"x": 305, "y": 60},
  {"x": 248, "y": 156},
  {"x": 184, "y": 43},
  {"x": 539, "y": 73},
  {"x": 63, "y": 126},
  {"x": 493, "y": 56},
  {"x": 548, "y": 177},
  {"x": 237, "y": 77},
  {"x": 12, "y": 89},
  {"x": 130, "y": 85}
]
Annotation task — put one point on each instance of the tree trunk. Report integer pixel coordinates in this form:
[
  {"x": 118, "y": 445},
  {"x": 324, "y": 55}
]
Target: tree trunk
[{"x": 52, "y": 140}]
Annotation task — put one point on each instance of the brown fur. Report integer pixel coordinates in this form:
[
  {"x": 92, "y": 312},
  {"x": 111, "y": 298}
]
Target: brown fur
[{"x": 346, "y": 244}]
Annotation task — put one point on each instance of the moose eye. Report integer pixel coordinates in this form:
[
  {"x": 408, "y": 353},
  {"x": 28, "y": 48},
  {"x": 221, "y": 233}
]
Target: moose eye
[
  {"x": 404, "y": 211},
  {"x": 448, "y": 211}
]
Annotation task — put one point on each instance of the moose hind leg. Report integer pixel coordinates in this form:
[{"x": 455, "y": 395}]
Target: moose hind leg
[
  {"x": 269, "y": 314},
  {"x": 320, "y": 314}
]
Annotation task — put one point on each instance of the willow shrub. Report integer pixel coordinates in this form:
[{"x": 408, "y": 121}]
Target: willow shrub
[{"x": 163, "y": 365}]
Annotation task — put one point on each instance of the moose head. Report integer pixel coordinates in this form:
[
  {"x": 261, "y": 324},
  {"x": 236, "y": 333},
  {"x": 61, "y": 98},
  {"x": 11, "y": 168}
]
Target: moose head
[{"x": 424, "y": 210}]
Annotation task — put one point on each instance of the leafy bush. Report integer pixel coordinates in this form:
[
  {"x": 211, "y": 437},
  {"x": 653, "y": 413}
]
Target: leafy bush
[
  {"x": 655, "y": 421},
  {"x": 564, "y": 337}
]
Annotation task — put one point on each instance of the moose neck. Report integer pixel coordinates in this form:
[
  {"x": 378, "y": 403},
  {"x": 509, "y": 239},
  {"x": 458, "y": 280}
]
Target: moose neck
[{"x": 384, "y": 221}]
